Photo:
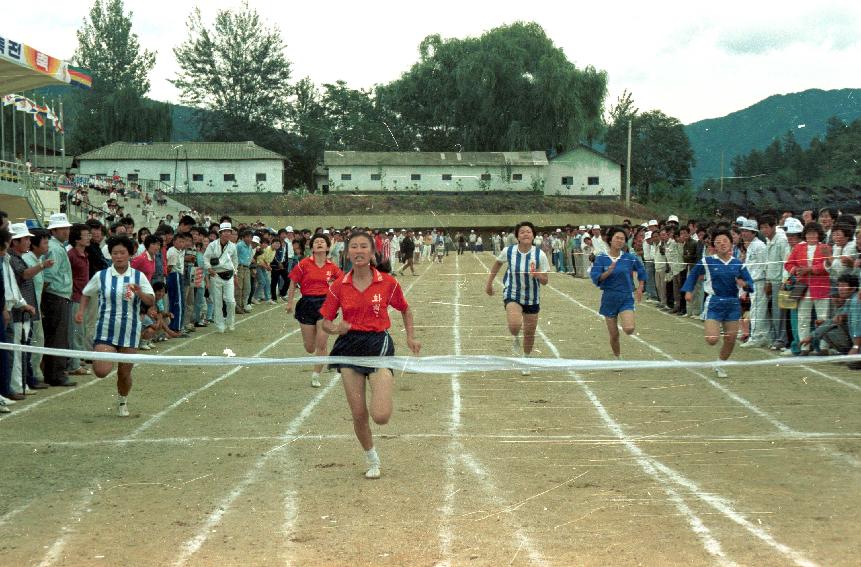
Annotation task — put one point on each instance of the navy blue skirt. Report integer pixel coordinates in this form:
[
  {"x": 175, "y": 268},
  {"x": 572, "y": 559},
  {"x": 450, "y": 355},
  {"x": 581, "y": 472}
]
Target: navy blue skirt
[
  {"x": 308, "y": 309},
  {"x": 362, "y": 343}
]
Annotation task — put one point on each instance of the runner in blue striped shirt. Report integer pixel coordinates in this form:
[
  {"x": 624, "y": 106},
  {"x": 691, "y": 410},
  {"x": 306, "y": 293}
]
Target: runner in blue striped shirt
[
  {"x": 526, "y": 272},
  {"x": 120, "y": 290}
]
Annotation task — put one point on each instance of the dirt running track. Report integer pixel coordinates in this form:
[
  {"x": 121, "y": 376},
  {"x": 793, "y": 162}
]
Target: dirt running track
[{"x": 225, "y": 466}]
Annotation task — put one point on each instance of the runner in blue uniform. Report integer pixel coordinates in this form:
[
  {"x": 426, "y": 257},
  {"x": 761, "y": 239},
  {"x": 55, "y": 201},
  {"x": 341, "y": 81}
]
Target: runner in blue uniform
[{"x": 613, "y": 272}]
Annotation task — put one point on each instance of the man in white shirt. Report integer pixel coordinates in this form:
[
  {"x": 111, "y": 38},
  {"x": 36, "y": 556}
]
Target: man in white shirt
[
  {"x": 222, "y": 259},
  {"x": 777, "y": 251},
  {"x": 755, "y": 261}
]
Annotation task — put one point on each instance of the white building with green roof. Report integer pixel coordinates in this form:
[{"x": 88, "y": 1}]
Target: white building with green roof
[
  {"x": 579, "y": 172},
  {"x": 197, "y": 167}
]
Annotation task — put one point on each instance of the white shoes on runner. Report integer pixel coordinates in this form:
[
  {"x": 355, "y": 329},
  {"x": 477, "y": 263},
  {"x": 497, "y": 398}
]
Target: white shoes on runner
[
  {"x": 315, "y": 379},
  {"x": 720, "y": 372},
  {"x": 516, "y": 349},
  {"x": 373, "y": 471},
  {"x": 123, "y": 409}
]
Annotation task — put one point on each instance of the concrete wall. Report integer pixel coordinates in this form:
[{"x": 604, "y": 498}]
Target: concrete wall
[
  {"x": 213, "y": 172},
  {"x": 463, "y": 178},
  {"x": 436, "y": 221},
  {"x": 581, "y": 164}
]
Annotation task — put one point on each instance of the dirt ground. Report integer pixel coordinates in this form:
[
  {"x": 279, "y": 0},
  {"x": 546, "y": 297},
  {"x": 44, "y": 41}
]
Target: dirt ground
[{"x": 252, "y": 466}]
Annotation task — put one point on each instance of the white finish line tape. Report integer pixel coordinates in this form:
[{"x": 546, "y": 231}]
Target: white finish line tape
[{"x": 427, "y": 364}]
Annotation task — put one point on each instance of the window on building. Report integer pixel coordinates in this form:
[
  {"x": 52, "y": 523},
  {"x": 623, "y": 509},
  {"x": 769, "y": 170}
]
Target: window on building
[
  {"x": 346, "y": 177},
  {"x": 567, "y": 180},
  {"x": 485, "y": 177},
  {"x": 517, "y": 177},
  {"x": 325, "y": 188},
  {"x": 446, "y": 176},
  {"x": 260, "y": 177},
  {"x": 415, "y": 177},
  {"x": 132, "y": 176},
  {"x": 376, "y": 176},
  {"x": 164, "y": 177},
  {"x": 197, "y": 177},
  {"x": 592, "y": 181},
  {"x": 230, "y": 177}
]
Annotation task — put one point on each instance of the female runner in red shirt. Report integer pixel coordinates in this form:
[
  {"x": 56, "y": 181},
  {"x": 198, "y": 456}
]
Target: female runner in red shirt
[
  {"x": 364, "y": 296},
  {"x": 313, "y": 275}
]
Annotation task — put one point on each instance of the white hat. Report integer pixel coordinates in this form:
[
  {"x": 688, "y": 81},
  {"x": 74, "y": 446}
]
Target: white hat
[
  {"x": 581, "y": 227},
  {"x": 653, "y": 222},
  {"x": 58, "y": 220},
  {"x": 648, "y": 234},
  {"x": 645, "y": 225},
  {"x": 225, "y": 226},
  {"x": 19, "y": 230},
  {"x": 255, "y": 239},
  {"x": 740, "y": 220},
  {"x": 289, "y": 229},
  {"x": 472, "y": 231},
  {"x": 792, "y": 226},
  {"x": 751, "y": 225},
  {"x": 558, "y": 230},
  {"x": 673, "y": 218},
  {"x": 588, "y": 227},
  {"x": 391, "y": 231},
  {"x": 594, "y": 226}
]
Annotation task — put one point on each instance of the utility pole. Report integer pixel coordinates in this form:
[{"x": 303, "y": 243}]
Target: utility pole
[
  {"x": 628, "y": 169},
  {"x": 721, "y": 171}
]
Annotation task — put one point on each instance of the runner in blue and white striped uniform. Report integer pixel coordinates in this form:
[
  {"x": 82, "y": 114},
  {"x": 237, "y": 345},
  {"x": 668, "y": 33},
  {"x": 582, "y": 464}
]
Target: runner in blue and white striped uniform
[
  {"x": 526, "y": 272},
  {"x": 120, "y": 290}
]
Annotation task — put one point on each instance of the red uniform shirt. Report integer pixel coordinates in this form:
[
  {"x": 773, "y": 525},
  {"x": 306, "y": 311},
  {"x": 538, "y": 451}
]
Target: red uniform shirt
[
  {"x": 312, "y": 279},
  {"x": 365, "y": 310}
]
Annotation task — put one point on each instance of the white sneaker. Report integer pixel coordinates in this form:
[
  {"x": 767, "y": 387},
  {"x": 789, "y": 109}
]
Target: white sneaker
[
  {"x": 373, "y": 471},
  {"x": 516, "y": 349},
  {"x": 315, "y": 379},
  {"x": 720, "y": 372},
  {"x": 249, "y": 308},
  {"x": 145, "y": 345},
  {"x": 272, "y": 302},
  {"x": 6, "y": 401},
  {"x": 232, "y": 328},
  {"x": 753, "y": 344},
  {"x": 123, "y": 409},
  {"x": 4, "y": 409}
]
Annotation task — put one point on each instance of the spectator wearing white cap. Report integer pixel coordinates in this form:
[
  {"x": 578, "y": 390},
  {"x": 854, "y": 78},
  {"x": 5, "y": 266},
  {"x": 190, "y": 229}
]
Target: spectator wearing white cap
[
  {"x": 221, "y": 258},
  {"x": 776, "y": 251},
  {"x": 20, "y": 296},
  {"x": 35, "y": 258},
  {"x": 756, "y": 260},
  {"x": 56, "y": 299},
  {"x": 598, "y": 243},
  {"x": 649, "y": 239}
]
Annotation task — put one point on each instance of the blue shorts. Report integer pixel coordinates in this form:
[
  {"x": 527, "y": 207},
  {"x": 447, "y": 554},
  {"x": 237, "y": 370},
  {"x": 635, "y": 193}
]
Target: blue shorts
[
  {"x": 614, "y": 302},
  {"x": 722, "y": 308}
]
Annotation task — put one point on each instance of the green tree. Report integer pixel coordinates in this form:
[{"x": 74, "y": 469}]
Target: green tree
[
  {"x": 660, "y": 149},
  {"x": 237, "y": 70},
  {"x": 510, "y": 89},
  {"x": 115, "y": 109}
]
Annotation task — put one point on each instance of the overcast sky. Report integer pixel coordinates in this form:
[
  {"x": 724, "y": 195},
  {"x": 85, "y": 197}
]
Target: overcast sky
[{"x": 689, "y": 61}]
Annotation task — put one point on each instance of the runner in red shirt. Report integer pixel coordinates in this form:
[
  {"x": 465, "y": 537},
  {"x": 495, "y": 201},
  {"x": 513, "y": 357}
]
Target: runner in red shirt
[
  {"x": 363, "y": 296},
  {"x": 313, "y": 275}
]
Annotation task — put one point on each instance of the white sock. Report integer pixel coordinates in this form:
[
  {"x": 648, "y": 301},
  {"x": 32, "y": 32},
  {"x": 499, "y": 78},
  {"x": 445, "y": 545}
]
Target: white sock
[
  {"x": 122, "y": 399},
  {"x": 372, "y": 457}
]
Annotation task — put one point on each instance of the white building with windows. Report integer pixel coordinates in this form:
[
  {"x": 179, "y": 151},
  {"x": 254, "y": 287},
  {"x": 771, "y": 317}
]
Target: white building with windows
[
  {"x": 197, "y": 167},
  {"x": 449, "y": 172},
  {"x": 579, "y": 172}
]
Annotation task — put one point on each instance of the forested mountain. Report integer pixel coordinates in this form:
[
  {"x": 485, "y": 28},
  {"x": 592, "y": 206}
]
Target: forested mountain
[{"x": 805, "y": 114}]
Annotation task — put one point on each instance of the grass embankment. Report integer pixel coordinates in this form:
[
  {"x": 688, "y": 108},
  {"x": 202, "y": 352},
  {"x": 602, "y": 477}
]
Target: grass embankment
[{"x": 293, "y": 204}]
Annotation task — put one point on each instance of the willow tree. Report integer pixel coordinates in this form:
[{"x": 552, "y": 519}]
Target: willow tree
[{"x": 510, "y": 89}]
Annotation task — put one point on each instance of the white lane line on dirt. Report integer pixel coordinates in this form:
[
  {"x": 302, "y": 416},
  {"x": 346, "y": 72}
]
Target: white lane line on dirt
[
  {"x": 825, "y": 375},
  {"x": 5, "y": 518},
  {"x": 664, "y": 474},
  {"x": 157, "y": 417},
  {"x": 457, "y": 451},
  {"x": 446, "y": 535},
  {"x": 66, "y": 391},
  {"x": 779, "y": 425},
  {"x": 501, "y": 438},
  {"x": 193, "y": 545},
  {"x": 55, "y": 551}
]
